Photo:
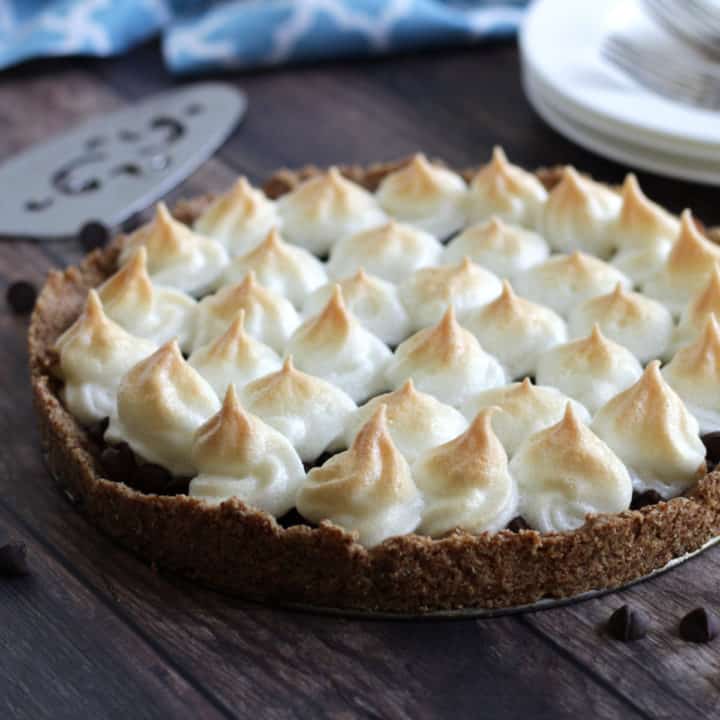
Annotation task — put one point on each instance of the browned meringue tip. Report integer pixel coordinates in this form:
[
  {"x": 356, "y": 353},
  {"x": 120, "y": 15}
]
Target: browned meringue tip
[
  {"x": 407, "y": 388},
  {"x": 272, "y": 240},
  {"x": 495, "y": 225},
  {"x": 162, "y": 214},
  {"x": 375, "y": 430},
  {"x": 360, "y": 276},
  {"x": 498, "y": 158},
  {"x": 570, "y": 421},
  {"x": 448, "y": 322},
  {"x": 507, "y": 292},
  {"x": 710, "y": 336},
  {"x": 334, "y": 317},
  {"x": 288, "y": 367},
  {"x": 249, "y": 282},
  {"x": 231, "y": 403},
  {"x": 93, "y": 309},
  {"x": 596, "y": 334},
  {"x": 465, "y": 264}
]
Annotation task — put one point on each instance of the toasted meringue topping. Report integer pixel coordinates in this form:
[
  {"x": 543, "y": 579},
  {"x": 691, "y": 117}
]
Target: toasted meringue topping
[
  {"x": 325, "y": 208},
  {"x": 240, "y": 218},
  {"x": 367, "y": 489},
  {"x": 161, "y": 401},
  {"x": 334, "y": 346},
  {"x": 416, "y": 421},
  {"x": 426, "y": 195},
  {"x": 580, "y": 214},
  {"x": 238, "y": 455},
  {"x": 309, "y": 412},
  {"x": 428, "y": 291},
  {"x": 687, "y": 267},
  {"x": 504, "y": 249},
  {"x": 644, "y": 233},
  {"x": 94, "y": 354},
  {"x": 524, "y": 409},
  {"x": 642, "y": 224},
  {"x": 564, "y": 281},
  {"x": 153, "y": 312},
  {"x": 374, "y": 302},
  {"x": 516, "y": 331},
  {"x": 268, "y": 317},
  {"x": 706, "y": 302},
  {"x": 466, "y": 483},
  {"x": 446, "y": 361},
  {"x": 652, "y": 432},
  {"x": 233, "y": 358},
  {"x": 566, "y": 472},
  {"x": 590, "y": 370},
  {"x": 286, "y": 270},
  {"x": 392, "y": 251},
  {"x": 694, "y": 373},
  {"x": 176, "y": 256},
  {"x": 642, "y": 325},
  {"x": 507, "y": 191}
]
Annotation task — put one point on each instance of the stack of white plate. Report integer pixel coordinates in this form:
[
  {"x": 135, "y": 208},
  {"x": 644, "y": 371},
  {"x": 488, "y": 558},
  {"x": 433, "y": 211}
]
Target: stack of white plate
[{"x": 594, "y": 104}]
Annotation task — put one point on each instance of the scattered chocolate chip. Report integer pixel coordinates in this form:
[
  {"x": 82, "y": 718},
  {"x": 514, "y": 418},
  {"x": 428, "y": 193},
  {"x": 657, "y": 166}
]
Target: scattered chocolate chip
[
  {"x": 93, "y": 235},
  {"x": 699, "y": 625},
  {"x": 641, "y": 500},
  {"x": 292, "y": 517},
  {"x": 119, "y": 462},
  {"x": 627, "y": 624},
  {"x": 21, "y": 296},
  {"x": 517, "y": 524},
  {"x": 13, "y": 559},
  {"x": 151, "y": 478},
  {"x": 97, "y": 430},
  {"x": 712, "y": 446}
]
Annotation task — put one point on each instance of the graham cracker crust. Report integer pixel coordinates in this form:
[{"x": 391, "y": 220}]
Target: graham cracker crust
[{"x": 237, "y": 549}]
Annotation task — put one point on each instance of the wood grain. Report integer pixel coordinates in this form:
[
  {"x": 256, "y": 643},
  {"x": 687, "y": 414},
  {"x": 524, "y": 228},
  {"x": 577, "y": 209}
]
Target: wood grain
[{"x": 102, "y": 635}]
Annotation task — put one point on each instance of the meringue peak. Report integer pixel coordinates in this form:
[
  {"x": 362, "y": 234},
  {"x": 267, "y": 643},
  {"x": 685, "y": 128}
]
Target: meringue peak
[
  {"x": 708, "y": 299},
  {"x": 332, "y": 323},
  {"x": 639, "y": 214},
  {"x": 704, "y": 354},
  {"x": 692, "y": 251},
  {"x": 234, "y": 339},
  {"x": 131, "y": 283},
  {"x": 95, "y": 331}
]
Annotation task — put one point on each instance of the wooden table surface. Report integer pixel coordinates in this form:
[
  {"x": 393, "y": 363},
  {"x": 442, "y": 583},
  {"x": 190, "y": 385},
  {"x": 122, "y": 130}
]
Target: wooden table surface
[{"x": 94, "y": 633}]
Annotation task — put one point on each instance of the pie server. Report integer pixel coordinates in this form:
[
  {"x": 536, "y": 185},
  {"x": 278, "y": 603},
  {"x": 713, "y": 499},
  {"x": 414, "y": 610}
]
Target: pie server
[{"x": 116, "y": 164}]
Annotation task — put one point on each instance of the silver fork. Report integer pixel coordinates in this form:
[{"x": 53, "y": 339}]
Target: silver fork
[
  {"x": 683, "y": 80},
  {"x": 692, "y": 21}
]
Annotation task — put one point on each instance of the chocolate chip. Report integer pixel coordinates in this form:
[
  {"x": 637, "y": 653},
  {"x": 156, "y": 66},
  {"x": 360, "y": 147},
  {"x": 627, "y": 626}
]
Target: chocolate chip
[
  {"x": 641, "y": 500},
  {"x": 13, "y": 559},
  {"x": 291, "y": 518},
  {"x": 517, "y": 524},
  {"x": 151, "y": 478},
  {"x": 21, "y": 296},
  {"x": 93, "y": 235},
  {"x": 699, "y": 625},
  {"x": 119, "y": 462},
  {"x": 97, "y": 430},
  {"x": 712, "y": 446},
  {"x": 627, "y": 624}
]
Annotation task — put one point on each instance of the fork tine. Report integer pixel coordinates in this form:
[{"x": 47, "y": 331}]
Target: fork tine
[{"x": 679, "y": 81}]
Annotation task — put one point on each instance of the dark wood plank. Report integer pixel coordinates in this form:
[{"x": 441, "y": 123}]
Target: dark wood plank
[{"x": 66, "y": 654}]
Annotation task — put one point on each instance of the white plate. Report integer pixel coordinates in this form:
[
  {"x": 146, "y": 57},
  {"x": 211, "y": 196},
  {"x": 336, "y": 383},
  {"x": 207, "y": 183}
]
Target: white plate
[
  {"x": 604, "y": 126},
  {"x": 626, "y": 153},
  {"x": 560, "y": 41}
]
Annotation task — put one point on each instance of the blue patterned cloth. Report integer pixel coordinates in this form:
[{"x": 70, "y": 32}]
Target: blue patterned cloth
[{"x": 202, "y": 35}]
